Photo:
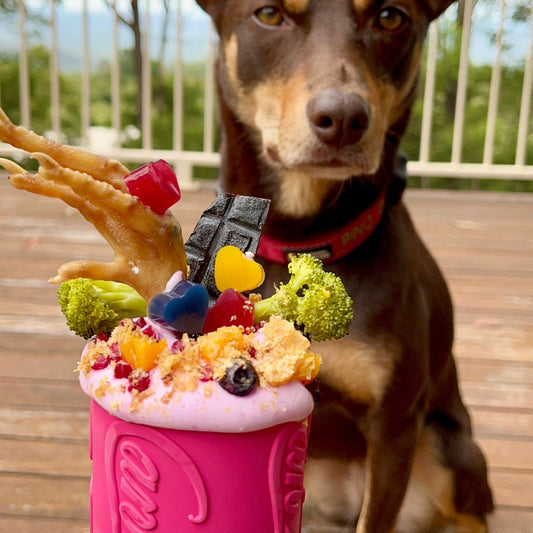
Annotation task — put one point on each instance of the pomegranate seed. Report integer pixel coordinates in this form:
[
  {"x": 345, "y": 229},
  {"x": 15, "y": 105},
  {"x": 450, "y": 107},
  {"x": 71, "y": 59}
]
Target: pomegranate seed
[
  {"x": 206, "y": 373},
  {"x": 149, "y": 331},
  {"x": 102, "y": 337},
  {"x": 252, "y": 351},
  {"x": 115, "y": 351},
  {"x": 140, "y": 322},
  {"x": 139, "y": 383},
  {"x": 177, "y": 346},
  {"x": 123, "y": 370},
  {"x": 101, "y": 362}
]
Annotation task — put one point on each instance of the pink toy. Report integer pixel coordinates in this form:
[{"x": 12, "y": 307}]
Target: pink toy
[{"x": 149, "y": 479}]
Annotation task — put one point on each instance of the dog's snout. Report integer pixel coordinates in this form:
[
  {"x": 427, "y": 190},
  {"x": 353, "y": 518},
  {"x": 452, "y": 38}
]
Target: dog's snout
[{"x": 338, "y": 118}]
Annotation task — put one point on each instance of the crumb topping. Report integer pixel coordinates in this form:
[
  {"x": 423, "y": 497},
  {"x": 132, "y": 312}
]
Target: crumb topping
[{"x": 277, "y": 351}]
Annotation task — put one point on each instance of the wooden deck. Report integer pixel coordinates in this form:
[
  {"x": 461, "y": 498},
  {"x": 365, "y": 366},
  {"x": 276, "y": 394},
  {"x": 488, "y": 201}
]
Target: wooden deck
[{"x": 484, "y": 243}]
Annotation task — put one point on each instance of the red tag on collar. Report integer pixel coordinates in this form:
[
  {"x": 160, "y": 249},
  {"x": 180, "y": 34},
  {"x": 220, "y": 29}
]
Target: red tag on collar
[{"x": 330, "y": 246}]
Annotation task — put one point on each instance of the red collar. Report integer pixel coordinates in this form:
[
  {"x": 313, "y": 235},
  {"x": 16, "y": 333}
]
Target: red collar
[{"x": 329, "y": 246}]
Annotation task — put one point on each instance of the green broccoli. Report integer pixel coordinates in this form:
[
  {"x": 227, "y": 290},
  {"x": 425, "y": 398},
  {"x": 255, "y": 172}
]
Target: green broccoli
[
  {"x": 313, "y": 299},
  {"x": 93, "y": 307}
]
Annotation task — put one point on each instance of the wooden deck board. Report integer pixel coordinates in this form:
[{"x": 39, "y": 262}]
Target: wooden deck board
[{"x": 483, "y": 242}]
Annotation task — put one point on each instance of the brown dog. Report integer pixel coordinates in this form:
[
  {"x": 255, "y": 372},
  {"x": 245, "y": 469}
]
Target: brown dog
[{"x": 314, "y": 98}]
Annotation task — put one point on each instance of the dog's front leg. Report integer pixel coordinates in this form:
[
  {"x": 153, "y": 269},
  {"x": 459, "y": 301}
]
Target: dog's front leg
[{"x": 390, "y": 453}]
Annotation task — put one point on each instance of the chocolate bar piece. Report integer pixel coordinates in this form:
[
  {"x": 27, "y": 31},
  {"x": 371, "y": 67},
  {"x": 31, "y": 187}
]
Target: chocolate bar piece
[{"x": 229, "y": 220}]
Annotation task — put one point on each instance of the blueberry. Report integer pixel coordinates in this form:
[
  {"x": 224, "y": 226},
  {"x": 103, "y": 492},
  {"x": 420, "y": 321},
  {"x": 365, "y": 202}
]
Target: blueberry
[{"x": 240, "y": 379}]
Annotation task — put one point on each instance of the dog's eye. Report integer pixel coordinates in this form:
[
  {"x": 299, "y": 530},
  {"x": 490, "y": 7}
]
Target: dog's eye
[
  {"x": 270, "y": 16},
  {"x": 391, "y": 19}
]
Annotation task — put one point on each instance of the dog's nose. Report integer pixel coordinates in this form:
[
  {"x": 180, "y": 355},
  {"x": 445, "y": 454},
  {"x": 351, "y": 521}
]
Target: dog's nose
[{"x": 338, "y": 118}]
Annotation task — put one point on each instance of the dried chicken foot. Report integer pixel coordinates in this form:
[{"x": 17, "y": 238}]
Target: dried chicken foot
[
  {"x": 100, "y": 168},
  {"x": 148, "y": 247}
]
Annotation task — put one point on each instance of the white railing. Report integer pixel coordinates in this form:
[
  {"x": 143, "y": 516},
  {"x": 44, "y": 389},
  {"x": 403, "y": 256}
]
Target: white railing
[
  {"x": 185, "y": 161},
  {"x": 486, "y": 169}
]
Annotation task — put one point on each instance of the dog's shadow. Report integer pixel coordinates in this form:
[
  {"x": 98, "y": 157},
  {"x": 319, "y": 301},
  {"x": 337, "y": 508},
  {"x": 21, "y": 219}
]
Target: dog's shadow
[
  {"x": 327, "y": 529},
  {"x": 347, "y": 529}
]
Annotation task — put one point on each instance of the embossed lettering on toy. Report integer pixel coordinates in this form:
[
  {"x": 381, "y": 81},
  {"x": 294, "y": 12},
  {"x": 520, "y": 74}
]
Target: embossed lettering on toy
[
  {"x": 136, "y": 475},
  {"x": 286, "y": 477}
]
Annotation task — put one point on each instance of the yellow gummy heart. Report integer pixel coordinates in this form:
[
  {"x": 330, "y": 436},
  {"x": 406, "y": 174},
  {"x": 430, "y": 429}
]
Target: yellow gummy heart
[{"x": 233, "y": 270}]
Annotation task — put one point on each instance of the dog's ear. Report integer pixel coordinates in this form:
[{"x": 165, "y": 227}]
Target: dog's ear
[
  {"x": 436, "y": 7},
  {"x": 210, "y": 6},
  {"x": 213, "y": 8}
]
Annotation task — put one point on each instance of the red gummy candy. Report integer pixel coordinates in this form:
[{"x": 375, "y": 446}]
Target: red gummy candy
[
  {"x": 155, "y": 185},
  {"x": 230, "y": 309}
]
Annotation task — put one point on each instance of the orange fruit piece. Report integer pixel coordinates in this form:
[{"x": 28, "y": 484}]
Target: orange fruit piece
[{"x": 142, "y": 353}]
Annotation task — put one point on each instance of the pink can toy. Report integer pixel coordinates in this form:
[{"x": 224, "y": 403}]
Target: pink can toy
[{"x": 151, "y": 479}]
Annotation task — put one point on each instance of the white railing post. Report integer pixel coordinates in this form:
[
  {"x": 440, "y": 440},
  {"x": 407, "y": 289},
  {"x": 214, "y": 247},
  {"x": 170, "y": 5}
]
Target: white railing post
[
  {"x": 116, "y": 120},
  {"x": 209, "y": 92},
  {"x": 494, "y": 94},
  {"x": 146, "y": 96},
  {"x": 183, "y": 169},
  {"x": 24, "y": 73},
  {"x": 429, "y": 96},
  {"x": 54, "y": 74},
  {"x": 85, "y": 78},
  {"x": 177, "y": 119},
  {"x": 520, "y": 158},
  {"x": 462, "y": 81}
]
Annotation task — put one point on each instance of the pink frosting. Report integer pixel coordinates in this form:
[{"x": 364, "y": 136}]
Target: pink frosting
[{"x": 208, "y": 408}]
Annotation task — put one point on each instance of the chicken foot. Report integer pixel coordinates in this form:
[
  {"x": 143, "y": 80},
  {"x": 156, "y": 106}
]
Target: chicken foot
[{"x": 148, "y": 247}]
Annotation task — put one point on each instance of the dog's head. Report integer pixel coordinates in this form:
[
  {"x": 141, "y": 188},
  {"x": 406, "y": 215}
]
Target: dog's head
[{"x": 323, "y": 86}]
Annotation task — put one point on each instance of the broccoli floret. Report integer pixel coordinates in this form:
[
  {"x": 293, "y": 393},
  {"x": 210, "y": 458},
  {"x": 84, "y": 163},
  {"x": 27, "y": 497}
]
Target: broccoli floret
[
  {"x": 325, "y": 310},
  {"x": 313, "y": 299},
  {"x": 93, "y": 307},
  {"x": 283, "y": 303}
]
